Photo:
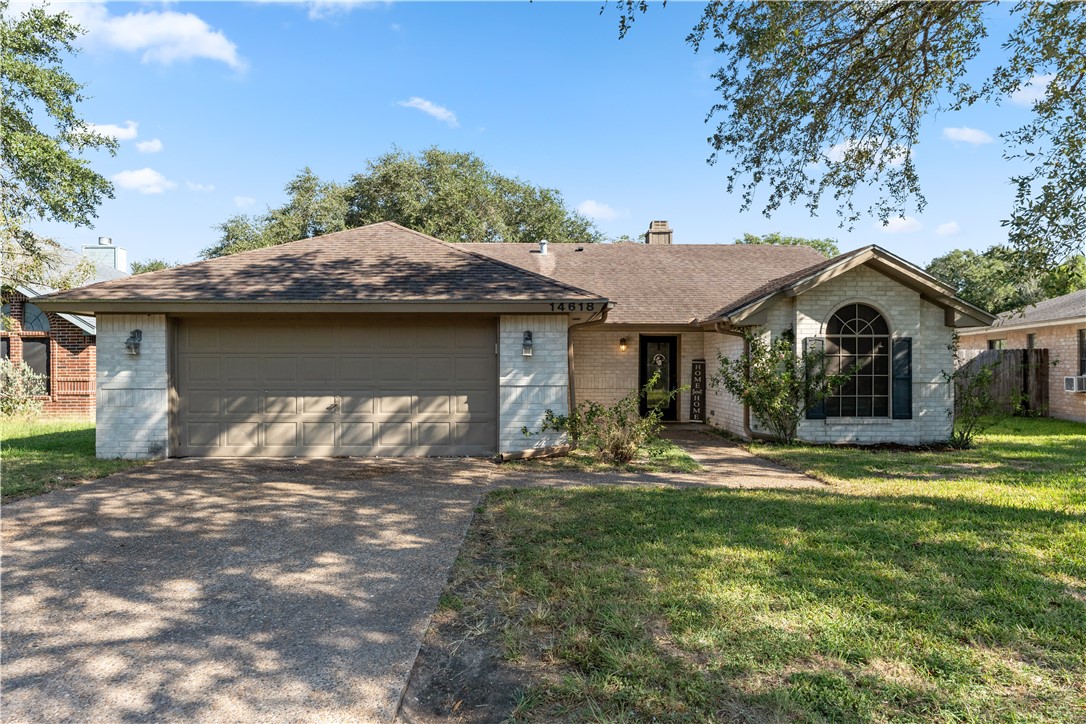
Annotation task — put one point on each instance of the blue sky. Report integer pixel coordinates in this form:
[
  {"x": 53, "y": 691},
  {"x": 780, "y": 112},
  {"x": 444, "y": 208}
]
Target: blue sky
[{"x": 217, "y": 105}]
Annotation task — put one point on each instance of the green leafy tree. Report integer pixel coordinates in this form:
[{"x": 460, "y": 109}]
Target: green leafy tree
[
  {"x": 820, "y": 98},
  {"x": 313, "y": 207},
  {"x": 457, "y": 197},
  {"x": 995, "y": 279},
  {"x": 142, "y": 267},
  {"x": 825, "y": 247},
  {"x": 43, "y": 175},
  {"x": 776, "y": 382}
]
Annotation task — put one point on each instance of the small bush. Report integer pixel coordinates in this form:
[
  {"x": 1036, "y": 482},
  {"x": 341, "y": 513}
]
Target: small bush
[
  {"x": 20, "y": 388},
  {"x": 617, "y": 431},
  {"x": 975, "y": 407}
]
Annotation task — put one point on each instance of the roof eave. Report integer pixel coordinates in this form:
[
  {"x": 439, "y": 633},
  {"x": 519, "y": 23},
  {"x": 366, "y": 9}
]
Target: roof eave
[
  {"x": 136, "y": 306},
  {"x": 959, "y": 313}
]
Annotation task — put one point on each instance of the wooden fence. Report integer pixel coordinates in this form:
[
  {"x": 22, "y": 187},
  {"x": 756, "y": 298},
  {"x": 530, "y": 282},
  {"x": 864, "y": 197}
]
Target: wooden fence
[{"x": 1019, "y": 378}]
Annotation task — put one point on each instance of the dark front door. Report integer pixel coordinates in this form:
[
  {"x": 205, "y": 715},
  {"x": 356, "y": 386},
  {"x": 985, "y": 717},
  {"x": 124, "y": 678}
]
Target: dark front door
[{"x": 659, "y": 356}]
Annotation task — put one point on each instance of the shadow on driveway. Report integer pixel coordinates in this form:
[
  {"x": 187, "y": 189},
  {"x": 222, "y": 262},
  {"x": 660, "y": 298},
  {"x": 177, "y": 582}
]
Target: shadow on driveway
[{"x": 229, "y": 590}]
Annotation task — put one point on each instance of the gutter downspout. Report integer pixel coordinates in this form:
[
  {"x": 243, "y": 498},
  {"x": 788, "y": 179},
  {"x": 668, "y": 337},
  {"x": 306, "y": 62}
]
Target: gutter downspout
[
  {"x": 569, "y": 350},
  {"x": 746, "y": 408}
]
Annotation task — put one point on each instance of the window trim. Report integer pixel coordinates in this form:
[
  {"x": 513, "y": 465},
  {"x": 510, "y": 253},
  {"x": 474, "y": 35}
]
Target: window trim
[
  {"x": 1082, "y": 351},
  {"x": 43, "y": 339}
]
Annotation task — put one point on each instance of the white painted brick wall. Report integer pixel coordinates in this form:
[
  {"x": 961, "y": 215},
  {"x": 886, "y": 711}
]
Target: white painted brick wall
[
  {"x": 529, "y": 386},
  {"x": 132, "y": 390},
  {"x": 722, "y": 410},
  {"x": 908, "y": 316}
]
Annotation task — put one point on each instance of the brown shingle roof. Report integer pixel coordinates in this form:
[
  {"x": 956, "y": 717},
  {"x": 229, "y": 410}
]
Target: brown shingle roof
[
  {"x": 664, "y": 284},
  {"x": 382, "y": 262},
  {"x": 1070, "y": 306}
]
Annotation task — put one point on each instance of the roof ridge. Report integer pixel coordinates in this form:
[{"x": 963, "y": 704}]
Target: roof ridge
[{"x": 520, "y": 270}]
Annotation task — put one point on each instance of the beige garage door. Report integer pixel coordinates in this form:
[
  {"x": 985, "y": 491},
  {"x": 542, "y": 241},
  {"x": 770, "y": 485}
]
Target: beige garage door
[{"x": 382, "y": 386}]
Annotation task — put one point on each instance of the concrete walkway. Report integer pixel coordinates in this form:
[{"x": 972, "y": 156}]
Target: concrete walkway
[{"x": 727, "y": 464}]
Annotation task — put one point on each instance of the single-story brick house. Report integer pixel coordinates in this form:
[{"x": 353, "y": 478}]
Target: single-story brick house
[
  {"x": 384, "y": 341},
  {"x": 57, "y": 345},
  {"x": 1058, "y": 325}
]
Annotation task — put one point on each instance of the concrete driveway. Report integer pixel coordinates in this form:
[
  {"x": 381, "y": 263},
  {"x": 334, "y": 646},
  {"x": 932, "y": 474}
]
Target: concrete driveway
[{"x": 251, "y": 590}]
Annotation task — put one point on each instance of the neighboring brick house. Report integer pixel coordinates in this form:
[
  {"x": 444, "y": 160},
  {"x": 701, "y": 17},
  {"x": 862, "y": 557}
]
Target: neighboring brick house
[
  {"x": 384, "y": 341},
  {"x": 59, "y": 346},
  {"x": 1058, "y": 325}
]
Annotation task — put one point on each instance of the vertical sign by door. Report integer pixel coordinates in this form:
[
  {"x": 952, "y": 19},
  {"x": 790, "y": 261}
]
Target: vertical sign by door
[{"x": 697, "y": 392}]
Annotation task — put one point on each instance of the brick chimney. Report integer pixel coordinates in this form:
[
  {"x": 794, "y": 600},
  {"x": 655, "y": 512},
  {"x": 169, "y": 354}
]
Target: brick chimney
[{"x": 659, "y": 233}]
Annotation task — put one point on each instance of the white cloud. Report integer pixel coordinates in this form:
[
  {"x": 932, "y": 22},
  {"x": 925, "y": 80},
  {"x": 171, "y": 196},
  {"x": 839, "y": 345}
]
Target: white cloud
[
  {"x": 243, "y": 201},
  {"x": 322, "y": 9},
  {"x": 203, "y": 188},
  {"x": 144, "y": 180},
  {"x": 950, "y": 228},
  {"x": 152, "y": 146},
  {"x": 163, "y": 36},
  {"x": 973, "y": 136},
  {"x": 127, "y": 132},
  {"x": 837, "y": 152},
  {"x": 596, "y": 210},
  {"x": 441, "y": 113},
  {"x": 900, "y": 225},
  {"x": 1032, "y": 90}
]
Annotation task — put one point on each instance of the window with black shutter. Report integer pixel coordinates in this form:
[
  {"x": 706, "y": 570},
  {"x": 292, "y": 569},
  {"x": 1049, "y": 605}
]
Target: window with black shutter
[{"x": 36, "y": 356}]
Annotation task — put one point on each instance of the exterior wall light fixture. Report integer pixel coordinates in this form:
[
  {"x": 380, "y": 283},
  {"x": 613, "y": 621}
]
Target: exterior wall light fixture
[
  {"x": 622, "y": 344},
  {"x": 526, "y": 347},
  {"x": 132, "y": 344}
]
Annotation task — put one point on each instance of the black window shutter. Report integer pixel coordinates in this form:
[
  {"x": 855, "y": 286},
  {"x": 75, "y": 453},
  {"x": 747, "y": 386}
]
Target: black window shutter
[
  {"x": 816, "y": 345},
  {"x": 902, "y": 386}
]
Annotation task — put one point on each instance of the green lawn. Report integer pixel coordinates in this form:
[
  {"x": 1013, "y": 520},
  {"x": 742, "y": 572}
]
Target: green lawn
[
  {"x": 39, "y": 456},
  {"x": 920, "y": 586}
]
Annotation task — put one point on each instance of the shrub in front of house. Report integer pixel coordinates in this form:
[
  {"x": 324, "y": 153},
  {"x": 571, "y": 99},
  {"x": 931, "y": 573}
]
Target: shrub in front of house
[
  {"x": 617, "y": 431},
  {"x": 20, "y": 389}
]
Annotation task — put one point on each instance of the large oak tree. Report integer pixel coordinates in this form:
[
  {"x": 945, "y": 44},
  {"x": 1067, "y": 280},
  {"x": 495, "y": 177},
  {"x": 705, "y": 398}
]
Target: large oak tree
[
  {"x": 43, "y": 175},
  {"x": 452, "y": 196},
  {"x": 827, "y": 99}
]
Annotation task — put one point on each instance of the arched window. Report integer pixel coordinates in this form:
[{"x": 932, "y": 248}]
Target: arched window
[
  {"x": 34, "y": 319},
  {"x": 858, "y": 339}
]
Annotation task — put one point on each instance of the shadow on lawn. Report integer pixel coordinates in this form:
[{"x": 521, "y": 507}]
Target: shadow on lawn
[
  {"x": 810, "y": 603},
  {"x": 226, "y": 590}
]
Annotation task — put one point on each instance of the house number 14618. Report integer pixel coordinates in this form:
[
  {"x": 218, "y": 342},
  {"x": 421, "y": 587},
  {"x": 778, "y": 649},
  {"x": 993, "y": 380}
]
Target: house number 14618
[{"x": 573, "y": 306}]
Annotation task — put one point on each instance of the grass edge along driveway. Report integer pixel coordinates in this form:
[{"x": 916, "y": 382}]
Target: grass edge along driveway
[
  {"x": 921, "y": 586},
  {"x": 37, "y": 456}
]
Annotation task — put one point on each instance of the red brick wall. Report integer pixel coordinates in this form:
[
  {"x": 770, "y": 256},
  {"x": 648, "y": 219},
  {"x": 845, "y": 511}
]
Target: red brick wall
[
  {"x": 1061, "y": 341},
  {"x": 71, "y": 361}
]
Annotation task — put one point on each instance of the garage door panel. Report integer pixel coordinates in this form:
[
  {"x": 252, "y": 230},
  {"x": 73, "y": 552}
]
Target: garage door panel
[
  {"x": 317, "y": 404},
  {"x": 243, "y": 433},
  {"x": 394, "y": 434},
  {"x": 391, "y": 370},
  {"x": 435, "y": 433},
  {"x": 201, "y": 434},
  {"x": 241, "y": 369},
  {"x": 473, "y": 369},
  {"x": 281, "y": 433},
  {"x": 318, "y": 433},
  {"x": 432, "y": 403},
  {"x": 203, "y": 370},
  {"x": 344, "y": 386},
  {"x": 433, "y": 369},
  {"x": 357, "y": 434},
  {"x": 356, "y": 368},
  {"x": 243, "y": 403},
  {"x": 202, "y": 402},
  {"x": 280, "y": 369},
  {"x": 395, "y": 403},
  {"x": 358, "y": 403},
  {"x": 317, "y": 369}
]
